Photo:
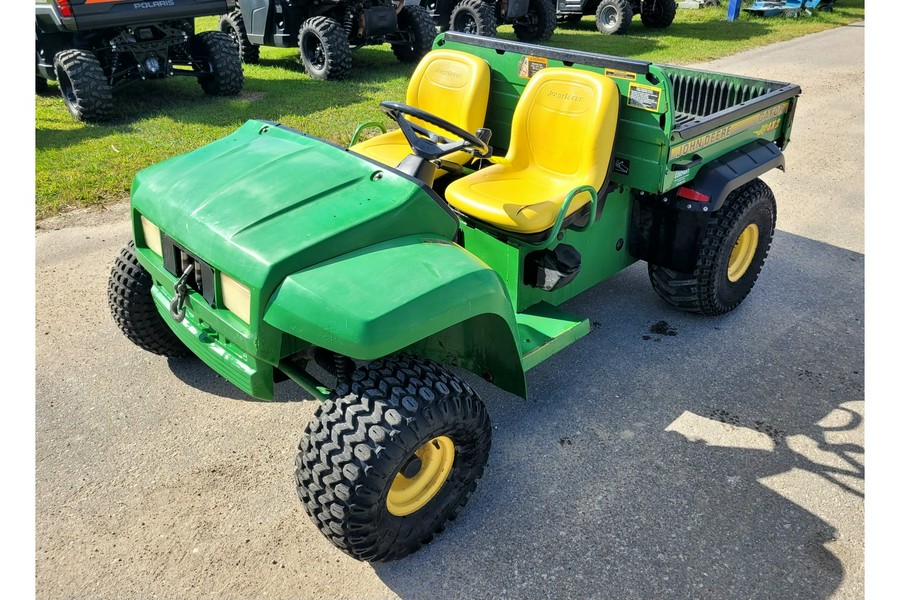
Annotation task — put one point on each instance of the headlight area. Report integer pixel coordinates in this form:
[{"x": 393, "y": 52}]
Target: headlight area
[
  {"x": 235, "y": 297},
  {"x": 152, "y": 235}
]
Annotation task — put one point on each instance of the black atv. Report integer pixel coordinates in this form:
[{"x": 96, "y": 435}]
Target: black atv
[
  {"x": 614, "y": 16},
  {"x": 92, "y": 47},
  {"x": 532, "y": 20},
  {"x": 326, "y": 32}
]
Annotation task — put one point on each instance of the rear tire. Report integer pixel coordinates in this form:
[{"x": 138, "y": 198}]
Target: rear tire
[
  {"x": 133, "y": 308},
  {"x": 219, "y": 71},
  {"x": 392, "y": 457},
  {"x": 658, "y": 13},
  {"x": 538, "y": 23},
  {"x": 732, "y": 253},
  {"x": 324, "y": 49},
  {"x": 415, "y": 21},
  {"x": 614, "y": 17},
  {"x": 474, "y": 16},
  {"x": 233, "y": 26},
  {"x": 83, "y": 85}
]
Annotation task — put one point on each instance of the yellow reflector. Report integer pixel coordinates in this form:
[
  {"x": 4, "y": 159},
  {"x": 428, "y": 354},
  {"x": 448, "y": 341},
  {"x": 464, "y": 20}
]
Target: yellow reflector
[
  {"x": 152, "y": 237},
  {"x": 236, "y": 297}
]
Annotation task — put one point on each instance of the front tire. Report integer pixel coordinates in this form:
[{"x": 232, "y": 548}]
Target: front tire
[
  {"x": 474, "y": 16},
  {"x": 83, "y": 85},
  {"x": 538, "y": 23},
  {"x": 233, "y": 26},
  {"x": 218, "y": 64},
  {"x": 133, "y": 309},
  {"x": 732, "y": 253},
  {"x": 658, "y": 13},
  {"x": 415, "y": 21},
  {"x": 393, "y": 457},
  {"x": 324, "y": 49},
  {"x": 614, "y": 17}
]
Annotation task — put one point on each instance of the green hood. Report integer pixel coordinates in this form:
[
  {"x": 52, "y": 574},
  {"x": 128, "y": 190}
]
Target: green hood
[{"x": 267, "y": 201}]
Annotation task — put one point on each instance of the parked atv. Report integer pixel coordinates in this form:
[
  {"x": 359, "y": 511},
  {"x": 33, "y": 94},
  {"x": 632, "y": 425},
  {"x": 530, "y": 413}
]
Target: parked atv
[
  {"x": 532, "y": 20},
  {"x": 614, "y": 16},
  {"x": 788, "y": 8},
  {"x": 93, "y": 46},
  {"x": 326, "y": 33},
  {"x": 519, "y": 176}
]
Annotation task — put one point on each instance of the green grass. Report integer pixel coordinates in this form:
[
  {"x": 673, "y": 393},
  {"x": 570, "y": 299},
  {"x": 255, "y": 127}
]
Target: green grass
[{"x": 79, "y": 165}]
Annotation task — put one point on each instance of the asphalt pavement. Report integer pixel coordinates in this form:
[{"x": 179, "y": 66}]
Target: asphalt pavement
[{"x": 662, "y": 456}]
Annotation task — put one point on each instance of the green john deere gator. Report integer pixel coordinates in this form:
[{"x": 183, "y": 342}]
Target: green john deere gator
[{"x": 518, "y": 177}]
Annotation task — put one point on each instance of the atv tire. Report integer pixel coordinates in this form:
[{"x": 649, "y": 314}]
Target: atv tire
[
  {"x": 233, "y": 25},
  {"x": 657, "y": 14},
  {"x": 133, "y": 308},
  {"x": 474, "y": 16},
  {"x": 324, "y": 49},
  {"x": 417, "y": 22},
  {"x": 538, "y": 23},
  {"x": 83, "y": 84},
  {"x": 732, "y": 253},
  {"x": 614, "y": 17},
  {"x": 218, "y": 64},
  {"x": 392, "y": 457}
]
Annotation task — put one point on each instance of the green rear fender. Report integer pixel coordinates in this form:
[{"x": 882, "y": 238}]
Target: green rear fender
[{"x": 424, "y": 295}]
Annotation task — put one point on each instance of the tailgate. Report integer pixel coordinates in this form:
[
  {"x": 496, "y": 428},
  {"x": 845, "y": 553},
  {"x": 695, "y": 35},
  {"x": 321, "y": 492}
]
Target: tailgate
[{"x": 99, "y": 14}]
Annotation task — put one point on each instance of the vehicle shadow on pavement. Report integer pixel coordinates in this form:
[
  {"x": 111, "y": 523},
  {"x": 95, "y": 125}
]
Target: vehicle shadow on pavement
[
  {"x": 673, "y": 456},
  {"x": 193, "y": 372}
]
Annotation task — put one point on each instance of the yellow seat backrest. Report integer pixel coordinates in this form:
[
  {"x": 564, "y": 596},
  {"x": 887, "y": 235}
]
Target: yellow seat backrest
[
  {"x": 453, "y": 86},
  {"x": 565, "y": 124},
  {"x": 449, "y": 84}
]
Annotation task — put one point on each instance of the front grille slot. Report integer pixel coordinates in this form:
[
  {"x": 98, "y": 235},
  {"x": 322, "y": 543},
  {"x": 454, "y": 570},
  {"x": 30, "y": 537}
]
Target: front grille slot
[{"x": 176, "y": 260}]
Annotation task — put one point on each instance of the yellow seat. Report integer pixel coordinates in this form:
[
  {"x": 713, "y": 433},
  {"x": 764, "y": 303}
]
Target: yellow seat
[
  {"x": 449, "y": 84},
  {"x": 562, "y": 138}
]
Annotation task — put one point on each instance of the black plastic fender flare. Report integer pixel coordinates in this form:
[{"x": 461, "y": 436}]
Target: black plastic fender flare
[
  {"x": 668, "y": 233},
  {"x": 730, "y": 171}
]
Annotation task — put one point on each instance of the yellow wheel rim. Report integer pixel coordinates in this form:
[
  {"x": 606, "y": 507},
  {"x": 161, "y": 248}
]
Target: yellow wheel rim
[
  {"x": 409, "y": 494},
  {"x": 743, "y": 252}
]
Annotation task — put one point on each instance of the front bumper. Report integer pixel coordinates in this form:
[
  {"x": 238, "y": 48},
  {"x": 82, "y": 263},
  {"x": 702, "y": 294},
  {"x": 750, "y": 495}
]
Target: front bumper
[{"x": 221, "y": 346}]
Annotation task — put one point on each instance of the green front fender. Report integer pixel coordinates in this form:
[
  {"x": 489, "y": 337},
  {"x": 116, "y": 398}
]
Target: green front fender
[{"x": 425, "y": 295}]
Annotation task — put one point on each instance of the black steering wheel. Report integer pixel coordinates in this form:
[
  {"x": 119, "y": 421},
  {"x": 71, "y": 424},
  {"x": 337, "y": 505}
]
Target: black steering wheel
[{"x": 428, "y": 144}]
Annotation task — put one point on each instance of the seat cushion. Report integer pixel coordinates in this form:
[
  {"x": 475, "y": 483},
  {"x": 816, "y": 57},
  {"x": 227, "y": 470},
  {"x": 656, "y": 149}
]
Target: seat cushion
[
  {"x": 521, "y": 201},
  {"x": 390, "y": 148}
]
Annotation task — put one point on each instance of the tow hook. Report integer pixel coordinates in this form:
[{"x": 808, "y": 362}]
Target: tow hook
[{"x": 176, "y": 307}]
